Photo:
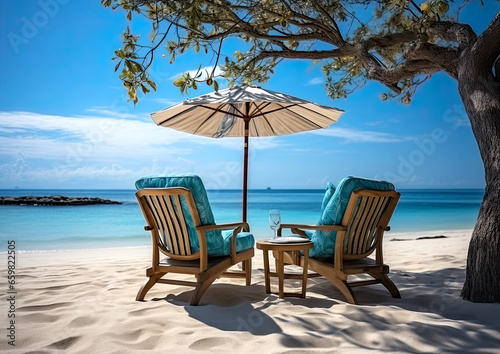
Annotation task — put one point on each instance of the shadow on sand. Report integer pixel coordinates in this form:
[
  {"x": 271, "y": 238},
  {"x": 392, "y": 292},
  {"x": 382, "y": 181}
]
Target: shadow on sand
[{"x": 431, "y": 312}]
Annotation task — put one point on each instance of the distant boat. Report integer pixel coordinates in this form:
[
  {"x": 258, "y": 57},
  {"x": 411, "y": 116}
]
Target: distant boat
[{"x": 268, "y": 188}]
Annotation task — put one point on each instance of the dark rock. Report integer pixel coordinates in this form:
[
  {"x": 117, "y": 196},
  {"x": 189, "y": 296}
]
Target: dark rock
[
  {"x": 430, "y": 237},
  {"x": 53, "y": 200}
]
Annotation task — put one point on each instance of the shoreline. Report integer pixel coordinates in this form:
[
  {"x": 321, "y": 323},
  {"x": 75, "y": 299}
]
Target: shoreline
[{"x": 389, "y": 237}]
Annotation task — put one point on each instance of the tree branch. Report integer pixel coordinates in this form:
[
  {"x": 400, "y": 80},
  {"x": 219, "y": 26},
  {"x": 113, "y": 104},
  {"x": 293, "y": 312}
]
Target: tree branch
[
  {"x": 315, "y": 54},
  {"x": 269, "y": 37},
  {"x": 244, "y": 26},
  {"x": 408, "y": 69},
  {"x": 336, "y": 32},
  {"x": 453, "y": 32},
  {"x": 303, "y": 21},
  {"x": 389, "y": 40},
  {"x": 445, "y": 57}
]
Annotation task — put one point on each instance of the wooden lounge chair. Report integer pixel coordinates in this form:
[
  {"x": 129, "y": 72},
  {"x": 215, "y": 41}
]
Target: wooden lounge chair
[
  {"x": 191, "y": 246},
  {"x": 358, "y": 235}
]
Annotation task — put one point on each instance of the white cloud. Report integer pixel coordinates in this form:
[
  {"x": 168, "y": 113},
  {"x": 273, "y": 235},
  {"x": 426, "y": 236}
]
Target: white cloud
[
  {"x": 193, "y": 72},
  {"x": 181, "y": 159},
  {"x": 262, "y": 143},
  {"x": 51, "y": 136},
  {"x": 167, "y": 102},
  {"x": 45, "y": 148},
  {"x": 62, "y": 173},
  {"x": 315, "y": 81},
  {"x": 110, "y": 112},
  {"x": 359, "y": 136}
]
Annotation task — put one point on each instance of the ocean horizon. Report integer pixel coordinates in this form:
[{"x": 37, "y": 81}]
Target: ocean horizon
[{"x": 47, "y": 228}]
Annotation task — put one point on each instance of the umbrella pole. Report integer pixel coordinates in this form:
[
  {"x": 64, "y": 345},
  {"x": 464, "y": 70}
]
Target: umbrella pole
[{"x": 245, "y": 171}]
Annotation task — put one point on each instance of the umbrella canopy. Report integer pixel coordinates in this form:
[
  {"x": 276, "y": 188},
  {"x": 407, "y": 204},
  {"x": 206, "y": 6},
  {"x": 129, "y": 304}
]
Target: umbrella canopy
[{"x": 246, "y": 112}]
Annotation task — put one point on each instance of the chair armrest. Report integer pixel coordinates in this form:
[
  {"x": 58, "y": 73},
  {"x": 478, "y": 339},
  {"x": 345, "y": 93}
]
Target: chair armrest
[
  {"x": 314, "y": 227},
  {"x": 234, "y": 225},
  {"x": 237, "y": 226}
]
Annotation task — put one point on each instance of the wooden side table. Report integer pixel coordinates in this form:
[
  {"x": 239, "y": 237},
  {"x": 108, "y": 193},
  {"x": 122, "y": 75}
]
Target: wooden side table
[{"x": 279, "y": 248}]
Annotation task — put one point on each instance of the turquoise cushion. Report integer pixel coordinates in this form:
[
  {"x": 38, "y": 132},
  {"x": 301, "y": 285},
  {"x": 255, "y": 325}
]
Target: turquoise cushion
[
  {"x": 244, "y": 241},
  {"x": 330, "y": 189},
  {"x": 216, "y": 244},
  {"x": 324, "y": 241}
]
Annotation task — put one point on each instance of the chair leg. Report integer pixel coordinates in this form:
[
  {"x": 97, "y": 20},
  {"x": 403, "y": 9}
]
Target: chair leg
[
  {"x": 148, "y": 285},
  {"x": 384, "y": 279},
  {"x": 344, "y": 288},
  {"x": 247, "y": 266},
  {"x": 201, "y": 288}
]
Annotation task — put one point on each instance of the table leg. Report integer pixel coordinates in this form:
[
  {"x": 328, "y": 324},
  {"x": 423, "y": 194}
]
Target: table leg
[
  {"x": 266, "y": 271},
  {"x": 280, "y": 270},
  {"x": 304, "y": 279}
]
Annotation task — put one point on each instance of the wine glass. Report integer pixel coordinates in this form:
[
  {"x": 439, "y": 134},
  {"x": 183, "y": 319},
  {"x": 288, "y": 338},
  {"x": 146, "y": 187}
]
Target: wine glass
[{"x": 274, "y": 221}]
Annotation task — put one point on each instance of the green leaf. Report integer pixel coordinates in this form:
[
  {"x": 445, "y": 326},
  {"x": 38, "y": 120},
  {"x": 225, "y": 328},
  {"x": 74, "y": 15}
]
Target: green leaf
[
  {"x": 442, "y": 7},
  {"x": 216, "y": 86},
  {"x": 198, "y": 72},
  {"x": 120, "y": 53},
  {"x": 144, "y": 89},
  {"x": 135, "y": 67},
  {"x": 179, "y": 82}
]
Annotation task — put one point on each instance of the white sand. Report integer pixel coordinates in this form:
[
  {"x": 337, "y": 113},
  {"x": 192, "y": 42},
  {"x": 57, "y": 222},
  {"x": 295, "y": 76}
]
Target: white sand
[{"x": 83, "y": 301}]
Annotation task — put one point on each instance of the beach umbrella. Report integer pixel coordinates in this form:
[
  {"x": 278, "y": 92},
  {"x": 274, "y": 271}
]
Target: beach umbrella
[{"x": 246, "y": 112}]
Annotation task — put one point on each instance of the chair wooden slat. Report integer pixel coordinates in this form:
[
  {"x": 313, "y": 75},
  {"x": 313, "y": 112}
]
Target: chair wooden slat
[
  {"x": 355, "y": 236},
  {"x": 154, "y": 209},
  {"x": 361, "y": 234},
  {"x": 367, "y": 227},
  {"x": 164, "y": 220},
  {"x": 353, "y": 229},
  {"x": 381, "y": 204},
  {"x": 184, "y": 230},
  {"x": 367, "y": 236},
  {"x": 176, "y": 228}
]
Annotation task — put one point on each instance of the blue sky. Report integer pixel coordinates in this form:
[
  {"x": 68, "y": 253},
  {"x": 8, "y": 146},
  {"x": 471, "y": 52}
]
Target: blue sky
[{"x": 65, "y": 122}]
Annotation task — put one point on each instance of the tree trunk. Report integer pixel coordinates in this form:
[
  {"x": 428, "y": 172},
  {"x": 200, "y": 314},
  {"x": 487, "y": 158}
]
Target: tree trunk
[{"x": 480, "y": 93}]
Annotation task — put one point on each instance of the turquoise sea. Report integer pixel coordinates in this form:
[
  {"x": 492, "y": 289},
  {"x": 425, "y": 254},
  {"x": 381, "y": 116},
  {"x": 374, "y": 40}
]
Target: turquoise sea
[{"x": 95, "y": 226}]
